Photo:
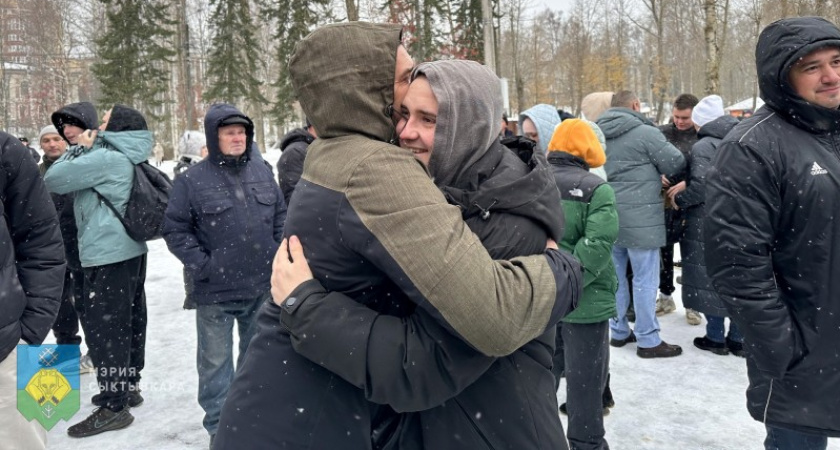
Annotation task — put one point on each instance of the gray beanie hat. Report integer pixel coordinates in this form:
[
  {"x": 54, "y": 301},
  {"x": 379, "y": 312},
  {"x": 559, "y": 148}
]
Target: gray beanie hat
[{"x": 49, "y": 129}]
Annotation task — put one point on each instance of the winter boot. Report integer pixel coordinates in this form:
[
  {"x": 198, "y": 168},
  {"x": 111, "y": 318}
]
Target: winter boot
[
  {"x": 704, "y": 343},
  {"x": 665, "y": 304},
  {"x": 736, "y": 348},
  {"x": 693, "y": 317}
]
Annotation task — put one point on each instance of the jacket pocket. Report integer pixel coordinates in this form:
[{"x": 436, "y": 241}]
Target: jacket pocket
[
  {"x": 215, "y": 207},
  {"x": 266, "y": 205}
]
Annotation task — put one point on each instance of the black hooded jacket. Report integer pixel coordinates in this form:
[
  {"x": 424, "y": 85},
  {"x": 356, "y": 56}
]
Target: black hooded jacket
[
  {"x": 31, "y": 254},
  {"x": 290, "y": 164},
  {"x": 773, "y": 238},
  {"x": 82, "y": 115}
]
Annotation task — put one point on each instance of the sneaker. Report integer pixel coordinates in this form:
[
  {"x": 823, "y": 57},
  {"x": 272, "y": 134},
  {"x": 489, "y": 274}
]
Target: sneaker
[
  {"x": 86, "y": 364},
  {"x": 623, "y": 342},
  {"x": 693, "y": 317},
  {"x": 665, "y": 304},
  {"x": 102, "y": 420},
  {"x": 134, "y": 399},
  {"x": 736, "y": 348},
  {"x": 704, "y": 343},
  {"x": 663, "y": 350}
]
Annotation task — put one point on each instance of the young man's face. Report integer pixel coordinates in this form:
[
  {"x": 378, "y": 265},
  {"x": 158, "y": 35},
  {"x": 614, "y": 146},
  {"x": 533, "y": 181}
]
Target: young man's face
[
  {"x": 417, "y": 126},
  {"x": 402, "y": 75},
  {"x": 529, "y": 130},
  {"x": 53, "y": 145},
  {"x": 682, "y": 118},
  {"x": 816, "y": 77},
  {"x": 232, "y": 140},
  {"x": 72, "y": 133}
]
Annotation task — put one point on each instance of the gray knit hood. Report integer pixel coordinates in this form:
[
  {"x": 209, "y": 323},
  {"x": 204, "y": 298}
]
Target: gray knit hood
[
  {"x": 546, "y": 119},
  {"x": 469, "y": 115}
]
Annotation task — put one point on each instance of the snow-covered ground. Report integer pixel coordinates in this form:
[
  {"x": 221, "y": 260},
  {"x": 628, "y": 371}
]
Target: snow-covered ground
[{"x": 694, "y": 401}]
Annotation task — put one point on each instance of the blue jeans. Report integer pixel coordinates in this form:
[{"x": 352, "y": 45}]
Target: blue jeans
[
  {"x": 645, "y": 263},
  {"x": 214, "y": 324},
  {"x": 715, "y": 330},
  {"x": 785, "y": 439}
]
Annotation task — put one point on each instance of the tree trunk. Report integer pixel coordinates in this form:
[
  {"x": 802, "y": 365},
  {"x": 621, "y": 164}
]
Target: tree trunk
[
  {"x": 352, "y": 10},
  {"x": 712, "y": 54}
]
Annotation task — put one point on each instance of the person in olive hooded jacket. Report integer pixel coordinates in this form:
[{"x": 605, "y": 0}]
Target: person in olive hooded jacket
[
  {"x": 773, "y": 238},
  {"x": 509, "y": 200},
  {"x": 377, "y": 229},
  {"x": 114, "y": 264}
]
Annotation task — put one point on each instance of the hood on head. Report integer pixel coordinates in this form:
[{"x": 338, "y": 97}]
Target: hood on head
[
  {"x": 221, "y": 112},
  {"x": 124, "y": 118},
  {"x": 546, "y": 119},
  {"x": 469, "y": 115},
  {"x": 343, "y": 75},
  {"x": 82, "y": 114},
  {"x": 780, "y": 45},
  {"x": 296, "y": 135}
]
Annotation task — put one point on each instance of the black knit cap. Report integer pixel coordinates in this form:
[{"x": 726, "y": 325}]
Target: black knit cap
[{"x": 124, "y": 118}]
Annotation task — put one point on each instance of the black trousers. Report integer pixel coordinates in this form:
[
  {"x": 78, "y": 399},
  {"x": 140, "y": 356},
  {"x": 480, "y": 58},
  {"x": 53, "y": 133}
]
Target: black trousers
[
  {"x": 666, "y": 270},
  {"x": 66, "y": 325},
  {"x": 583, "y": 353},
  {"x": 114, "y": 304}
]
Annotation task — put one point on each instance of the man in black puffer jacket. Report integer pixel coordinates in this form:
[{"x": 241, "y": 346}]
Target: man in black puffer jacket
[
  {"x": 290, "y": 164},
  {"x": 772, "y": 234},
  {"x": 31, "y": 279}
]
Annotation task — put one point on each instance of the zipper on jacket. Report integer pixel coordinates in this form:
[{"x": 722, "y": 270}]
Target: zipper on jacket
[
  {"x": 767, "y": 404},
  {"x": 240, "y": 189}
]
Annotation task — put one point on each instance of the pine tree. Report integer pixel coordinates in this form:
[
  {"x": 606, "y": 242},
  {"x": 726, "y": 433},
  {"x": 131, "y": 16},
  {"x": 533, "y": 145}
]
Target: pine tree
[
  {"x": 294, "y": 19},
  {"x": 234, "y": 52},
  {"x": 133, "y": 53}
]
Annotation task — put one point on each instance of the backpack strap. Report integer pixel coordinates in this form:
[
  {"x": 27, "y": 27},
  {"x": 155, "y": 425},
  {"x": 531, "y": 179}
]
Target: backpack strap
[{"x": 111, "y": 207}]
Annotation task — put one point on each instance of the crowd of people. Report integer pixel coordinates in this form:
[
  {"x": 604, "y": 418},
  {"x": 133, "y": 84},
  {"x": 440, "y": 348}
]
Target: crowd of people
[{"x": 419, "y": 274}]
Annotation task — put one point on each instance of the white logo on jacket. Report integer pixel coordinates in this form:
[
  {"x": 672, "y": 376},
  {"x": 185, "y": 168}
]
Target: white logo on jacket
[{"x": 817, "y": 170}]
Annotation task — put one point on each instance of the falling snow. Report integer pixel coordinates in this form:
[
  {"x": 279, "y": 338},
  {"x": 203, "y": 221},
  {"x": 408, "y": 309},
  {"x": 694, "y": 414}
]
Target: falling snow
[{"x": 694, "y": 401}]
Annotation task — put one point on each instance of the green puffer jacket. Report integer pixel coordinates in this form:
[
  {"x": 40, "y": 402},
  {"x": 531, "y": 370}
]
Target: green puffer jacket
[
  {"x": 591, "y": 230},
  {"x": 108, "y": 167}
]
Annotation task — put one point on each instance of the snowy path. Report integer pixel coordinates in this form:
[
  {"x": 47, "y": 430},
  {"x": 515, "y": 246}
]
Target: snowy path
[{"x": 693, "y": 402}]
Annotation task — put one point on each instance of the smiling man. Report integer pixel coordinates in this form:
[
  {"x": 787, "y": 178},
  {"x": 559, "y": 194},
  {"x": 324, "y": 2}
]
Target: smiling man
[{"x": 772, "y": 234}]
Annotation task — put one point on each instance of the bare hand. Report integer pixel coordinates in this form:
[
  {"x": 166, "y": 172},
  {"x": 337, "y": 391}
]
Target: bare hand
[
  {"x": 86, "y": 138},
  {"x": 551, "y": 244},
  {"x": 665, "y": 181},
  {"x": 288, "y": 273},
  {"x": 673, "y": 192}
]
